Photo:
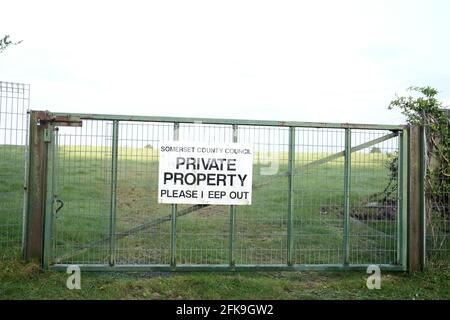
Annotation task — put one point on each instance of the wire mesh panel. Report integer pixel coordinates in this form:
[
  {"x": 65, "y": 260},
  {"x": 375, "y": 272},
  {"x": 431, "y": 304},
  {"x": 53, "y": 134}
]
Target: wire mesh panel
[
  {"x": 202, "y": 236},
  {"x": 83, "y": 184},
  {"x": 438, "y": 222},
  {"x": 261, "y": 229},
  {"x": 374, "y": 198},
  {"x": 318, "y": 192},
  {"x": 143, "y": 226},
  {"x": 14, "y": 104}
]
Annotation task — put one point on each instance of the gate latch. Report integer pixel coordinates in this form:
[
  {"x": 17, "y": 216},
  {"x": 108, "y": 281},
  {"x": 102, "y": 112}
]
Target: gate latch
[
  {"x": 61, "y": 120},
  {"x": 61, "y": 205}
]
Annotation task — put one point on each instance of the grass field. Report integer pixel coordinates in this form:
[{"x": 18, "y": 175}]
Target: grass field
[{"x": 81, "y": 232}]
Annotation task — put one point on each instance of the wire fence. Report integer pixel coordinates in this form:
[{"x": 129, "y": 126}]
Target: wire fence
[
  {"x": 14, "y": 104},
  {"x": 438, "y": 225},
  {"x": 437, "y": 207},
  {"x": 297, "y": 216},
  {"x": 320, "y": 195}
]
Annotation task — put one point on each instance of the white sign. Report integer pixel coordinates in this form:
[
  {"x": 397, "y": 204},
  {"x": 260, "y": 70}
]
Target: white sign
[{"x": 201, "y": 173}]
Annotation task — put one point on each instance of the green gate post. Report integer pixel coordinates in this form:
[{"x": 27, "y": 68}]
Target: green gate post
[
  {"x": 55, "y": 188},
  {"x": 290, "y": 221},
  {"x": 404, "y": 200},
  {"x": 347, "y": 181},
  {"x": 400, "y": 171},
  {"x": 173, "y": 233},
  {"x": 233, "y": 213},
  {"x": 50, "y": 139},
  {"x": 113, "y": 213},
  {"x": 33, "y": 248},
  {"x": 402, "y": 216}
]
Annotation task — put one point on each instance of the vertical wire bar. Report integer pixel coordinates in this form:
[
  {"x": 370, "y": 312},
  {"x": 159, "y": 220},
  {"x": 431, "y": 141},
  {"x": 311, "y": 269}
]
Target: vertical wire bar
[
  {"x": 404, "y": 200},
  {"x": 290, "y": 222},
  {"x": 173, "y": 234},
  {"x": 399, "y": 196},
  {"x": 347, "y": 176},
  {"x": 112, "y": 218},
  {"x": 233, "y": 213}
]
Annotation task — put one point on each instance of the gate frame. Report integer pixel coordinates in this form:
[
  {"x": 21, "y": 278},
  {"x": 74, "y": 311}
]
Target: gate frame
[{"x": 40, "y": 210}]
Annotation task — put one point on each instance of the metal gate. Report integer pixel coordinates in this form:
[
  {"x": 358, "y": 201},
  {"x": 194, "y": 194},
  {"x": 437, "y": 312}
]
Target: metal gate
[{"x": 325, "y": 196}]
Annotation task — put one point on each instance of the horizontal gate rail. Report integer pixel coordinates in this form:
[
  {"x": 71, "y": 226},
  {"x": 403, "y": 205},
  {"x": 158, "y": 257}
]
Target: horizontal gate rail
[
  {"x": 84, "y": 116},
  {"x": 224, "y": 267}
]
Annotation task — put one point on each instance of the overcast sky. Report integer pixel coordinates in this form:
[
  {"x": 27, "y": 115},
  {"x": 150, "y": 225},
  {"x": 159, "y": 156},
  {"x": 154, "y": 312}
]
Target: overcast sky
[{"x": 335, "y": 61}]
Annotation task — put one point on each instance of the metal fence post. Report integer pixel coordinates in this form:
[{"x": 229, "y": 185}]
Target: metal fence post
[
  {"x": 173, "y": 233},
  {"x": 113, "y": 217},
  {"x": 347, "y": 181},
  {"x": 290, "y": 221},
  {"x": 233, "y": 212}
]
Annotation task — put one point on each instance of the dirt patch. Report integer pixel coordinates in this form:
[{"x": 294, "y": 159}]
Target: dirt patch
[
  {"x": 212, "y": 210},
  {"x": 32, "y": 270},
  {"x": 365, "y": 210}
]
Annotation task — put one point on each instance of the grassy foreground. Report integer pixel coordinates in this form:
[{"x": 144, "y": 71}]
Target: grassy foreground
[{"x": 19, "y": 280}]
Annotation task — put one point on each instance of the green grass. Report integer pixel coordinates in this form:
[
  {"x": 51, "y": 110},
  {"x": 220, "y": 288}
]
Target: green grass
[{"x": 25, "y": 281}]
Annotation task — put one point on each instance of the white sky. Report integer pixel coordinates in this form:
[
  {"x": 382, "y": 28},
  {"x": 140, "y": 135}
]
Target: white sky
[{"x": 335, "y": 61}]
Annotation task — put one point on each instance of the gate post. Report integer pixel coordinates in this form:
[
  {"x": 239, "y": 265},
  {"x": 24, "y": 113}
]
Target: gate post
[
  {"x": 415, "y": 199},
  {"x": 36, "y": 190}
]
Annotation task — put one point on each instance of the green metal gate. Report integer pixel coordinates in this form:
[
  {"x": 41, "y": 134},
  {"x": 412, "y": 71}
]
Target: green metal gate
[{"x": 325, "y": 196}]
